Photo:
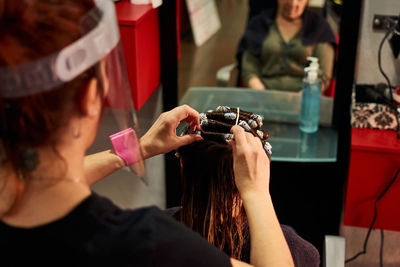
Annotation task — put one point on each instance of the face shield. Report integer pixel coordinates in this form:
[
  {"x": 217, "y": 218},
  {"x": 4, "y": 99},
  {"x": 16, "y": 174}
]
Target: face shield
[{"x": 100, "y": 47}]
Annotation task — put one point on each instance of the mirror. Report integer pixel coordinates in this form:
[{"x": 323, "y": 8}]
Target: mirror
[
  {"x": 198, "y": 69},
  {"x": 198, "y": 66}
]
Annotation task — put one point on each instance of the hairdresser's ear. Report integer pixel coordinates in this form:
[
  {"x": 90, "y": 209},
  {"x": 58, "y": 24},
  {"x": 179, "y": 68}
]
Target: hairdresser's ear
[
  {"x": 105, "y": 81},
  {"x": 91, "y": 102}
]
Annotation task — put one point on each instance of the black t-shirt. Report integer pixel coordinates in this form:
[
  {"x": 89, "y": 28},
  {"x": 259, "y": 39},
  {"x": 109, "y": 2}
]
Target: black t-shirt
[
  {"x": 98, "y": 233},
  {"x": 304, "y": 253}
]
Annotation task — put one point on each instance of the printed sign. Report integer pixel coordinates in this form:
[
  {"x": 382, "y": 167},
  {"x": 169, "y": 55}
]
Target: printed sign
[{"x": 204, "y": 19}]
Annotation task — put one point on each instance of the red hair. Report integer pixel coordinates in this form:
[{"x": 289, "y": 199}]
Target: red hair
[{"x": 211, "y": 203}]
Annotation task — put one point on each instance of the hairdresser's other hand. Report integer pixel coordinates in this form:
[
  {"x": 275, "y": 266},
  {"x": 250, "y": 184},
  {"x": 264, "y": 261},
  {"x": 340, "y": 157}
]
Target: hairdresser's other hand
[
  {"x": 162, "y": 138},
  {"x": 250, "y": 163}
]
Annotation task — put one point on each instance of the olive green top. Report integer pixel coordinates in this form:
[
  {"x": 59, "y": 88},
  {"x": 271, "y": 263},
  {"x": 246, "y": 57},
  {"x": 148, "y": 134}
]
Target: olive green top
[{"x": 281, "y": 64}]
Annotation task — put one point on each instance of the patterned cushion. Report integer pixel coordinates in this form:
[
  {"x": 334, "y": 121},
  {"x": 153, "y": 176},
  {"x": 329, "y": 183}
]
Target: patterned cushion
[{"x": 373, "y": 116}]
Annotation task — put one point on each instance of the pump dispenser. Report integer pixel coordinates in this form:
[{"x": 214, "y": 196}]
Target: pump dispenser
[{"x": 311, "y": 97}]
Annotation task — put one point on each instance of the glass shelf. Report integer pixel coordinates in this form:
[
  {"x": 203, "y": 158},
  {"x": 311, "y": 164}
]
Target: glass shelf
[{"x": 280, "y": 112}]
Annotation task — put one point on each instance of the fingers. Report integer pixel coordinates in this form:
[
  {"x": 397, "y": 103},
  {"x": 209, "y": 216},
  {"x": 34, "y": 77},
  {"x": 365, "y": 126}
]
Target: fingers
[
  {"x": 188, "y": 114},
  {"x": 244, "y": 141},
  {"x": 240, "y": 136}
]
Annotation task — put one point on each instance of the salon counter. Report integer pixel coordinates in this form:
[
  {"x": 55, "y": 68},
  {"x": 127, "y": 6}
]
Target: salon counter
[{"x": 280, "y": 112}]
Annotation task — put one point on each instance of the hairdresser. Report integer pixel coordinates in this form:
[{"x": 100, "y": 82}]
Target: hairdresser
[{"x": 60, "y": 61}]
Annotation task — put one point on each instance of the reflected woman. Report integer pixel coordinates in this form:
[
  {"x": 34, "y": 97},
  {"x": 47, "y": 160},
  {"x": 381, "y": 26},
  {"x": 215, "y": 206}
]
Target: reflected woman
[{"x": 273, "y": 52}]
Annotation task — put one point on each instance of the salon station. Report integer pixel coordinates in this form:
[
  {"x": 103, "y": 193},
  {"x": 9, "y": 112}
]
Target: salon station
[
  {"x": 318, "y": 81},
  {"x": 324, "y": 184}
]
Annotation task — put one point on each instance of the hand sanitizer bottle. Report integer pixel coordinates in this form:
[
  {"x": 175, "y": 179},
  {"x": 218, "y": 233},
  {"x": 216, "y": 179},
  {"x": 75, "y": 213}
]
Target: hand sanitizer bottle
[{"x": 311, "y": 97}]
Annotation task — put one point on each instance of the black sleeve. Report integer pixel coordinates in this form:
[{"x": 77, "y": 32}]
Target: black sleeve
[
  {"x": 172, "y": 212},
  {"x": 304, "y": 253},
  {"x": 177, "y": 245}
]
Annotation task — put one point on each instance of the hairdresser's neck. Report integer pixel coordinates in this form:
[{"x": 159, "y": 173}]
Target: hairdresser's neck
[{"x": 54, "y": 189}]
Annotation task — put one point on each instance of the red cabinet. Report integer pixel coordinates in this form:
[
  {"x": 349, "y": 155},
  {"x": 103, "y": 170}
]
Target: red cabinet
[
  {"x": 374, "y": 160},
  {"x": 140, "y": 38}
]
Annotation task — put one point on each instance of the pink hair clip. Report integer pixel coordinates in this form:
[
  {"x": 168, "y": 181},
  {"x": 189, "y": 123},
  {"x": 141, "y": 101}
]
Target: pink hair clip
[{"x": 126, "y": 146}]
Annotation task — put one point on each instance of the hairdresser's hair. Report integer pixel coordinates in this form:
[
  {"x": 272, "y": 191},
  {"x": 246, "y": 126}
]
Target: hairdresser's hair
[
  {"x": 30, "y": 30},
  {"x": 211, "y": 204}
]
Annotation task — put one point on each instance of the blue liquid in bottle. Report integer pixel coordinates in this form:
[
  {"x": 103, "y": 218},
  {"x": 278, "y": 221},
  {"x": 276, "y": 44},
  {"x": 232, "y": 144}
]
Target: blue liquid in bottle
[{"x": 310, "y": 104}]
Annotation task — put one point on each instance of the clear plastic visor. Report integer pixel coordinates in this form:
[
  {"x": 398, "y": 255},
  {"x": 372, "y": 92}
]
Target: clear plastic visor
[{"x": 119, "y": 113}]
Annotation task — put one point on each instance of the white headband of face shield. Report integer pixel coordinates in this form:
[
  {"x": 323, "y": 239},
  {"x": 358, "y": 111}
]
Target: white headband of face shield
[{"x": 61, "y": 67}]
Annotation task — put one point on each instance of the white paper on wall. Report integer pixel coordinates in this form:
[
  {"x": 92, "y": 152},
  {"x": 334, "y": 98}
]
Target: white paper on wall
[
  {"x": 204, "y": 19},
  {"x": 155, "y": 3},
  {"x": 316, "y": 3}
]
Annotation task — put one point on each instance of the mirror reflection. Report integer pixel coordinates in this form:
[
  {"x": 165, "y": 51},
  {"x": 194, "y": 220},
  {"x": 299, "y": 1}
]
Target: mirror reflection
[{"x": 263, "y": 45}]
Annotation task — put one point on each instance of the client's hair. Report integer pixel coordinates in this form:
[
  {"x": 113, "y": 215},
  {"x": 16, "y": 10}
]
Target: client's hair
[{"x": 211, "y": 204}]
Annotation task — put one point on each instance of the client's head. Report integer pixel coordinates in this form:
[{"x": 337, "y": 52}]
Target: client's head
[{"x": 211, "y": 203}]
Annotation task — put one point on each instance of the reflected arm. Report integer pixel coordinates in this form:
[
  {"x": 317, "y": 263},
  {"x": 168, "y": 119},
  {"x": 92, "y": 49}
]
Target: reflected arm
[
  {"x": 326, "y": 55},
  {"x": 251, "y": 71}
]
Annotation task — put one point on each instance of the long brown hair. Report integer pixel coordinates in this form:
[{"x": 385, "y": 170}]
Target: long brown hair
[
  {"x": 30, "y": 30},
  {"x": 211, "y": 204}
]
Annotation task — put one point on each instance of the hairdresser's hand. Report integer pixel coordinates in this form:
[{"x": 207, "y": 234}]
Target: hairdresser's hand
[
  {"x": 251, "y": 167},
  {"x": 250, "y": 163},
  {"x": 162, "y": 138}
]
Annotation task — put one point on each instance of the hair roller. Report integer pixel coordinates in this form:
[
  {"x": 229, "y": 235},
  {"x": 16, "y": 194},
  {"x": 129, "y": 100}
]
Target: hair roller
[
  {"x": 228, "y": 117},
  {"x": 263, "y": 135},
  {"x": 217, "y": 137},
  {"x": 252, "y": 123},
  {"x": 245, "y": 115},
  {"x": 216, "y": 125},
  {"x": 223, "y": 109},
  {"x": 245, "y": 126}
]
